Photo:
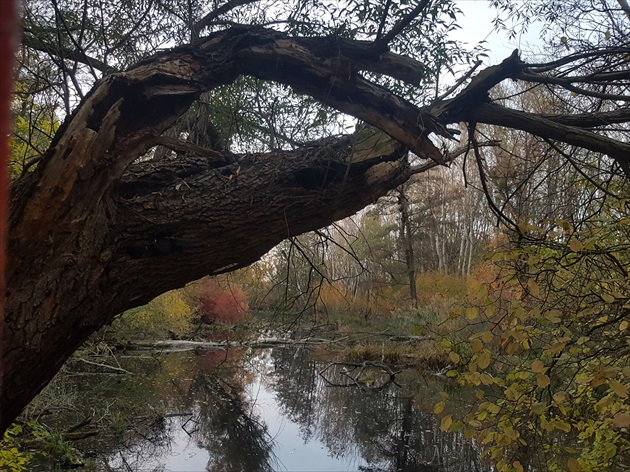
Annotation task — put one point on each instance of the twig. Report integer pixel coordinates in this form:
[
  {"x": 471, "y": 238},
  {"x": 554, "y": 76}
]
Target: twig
[
  {"x": 120, "y": 370},
  {"x": 401, "y": 25}
]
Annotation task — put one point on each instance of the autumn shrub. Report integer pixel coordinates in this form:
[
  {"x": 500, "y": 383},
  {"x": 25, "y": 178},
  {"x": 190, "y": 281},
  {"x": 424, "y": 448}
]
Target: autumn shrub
[
  {"x": 546, "y": 349},
  {"x": 385, "y": 352},
  {"x": 218, "y": 301},
  {"x": 169, "y": 315},
  {"x": 342, "y": 305},
  {"x": 12, "y": 457}
]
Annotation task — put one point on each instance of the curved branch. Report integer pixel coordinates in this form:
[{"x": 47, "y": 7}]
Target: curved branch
[
  {"x": 77, "y": 55},
  {"x": 216, "y": 13},
  {"x": 538, "y": 125},
  {"x": 592, "y": 120},
  {"x": 567, "y": 83},
  {"x": 401, "y": 25},
  {"x": 124, "y": 114}
]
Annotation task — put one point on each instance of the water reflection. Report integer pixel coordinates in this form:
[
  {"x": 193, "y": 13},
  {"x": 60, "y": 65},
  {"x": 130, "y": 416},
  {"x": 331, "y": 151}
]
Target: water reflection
[
  {"x": 207, "y": 424},
  {"x": 267, "y": 410},
  {"x": 382, "y": 427}
]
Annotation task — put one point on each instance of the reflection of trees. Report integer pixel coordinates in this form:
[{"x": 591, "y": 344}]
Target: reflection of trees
[
  {"x": 207, "y": 384},
  {"x": 297, "y": 390},
  {"x": 235, "y": 440},
  {"x": 383, "y": 427}
]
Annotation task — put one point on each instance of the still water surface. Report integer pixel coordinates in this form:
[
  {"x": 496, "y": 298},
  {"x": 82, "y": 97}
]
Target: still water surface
[{"x": 270, "y": 410}]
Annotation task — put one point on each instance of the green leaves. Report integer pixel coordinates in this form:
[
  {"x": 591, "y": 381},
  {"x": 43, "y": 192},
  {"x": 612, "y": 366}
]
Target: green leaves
[{"x": 550, "y": 358}]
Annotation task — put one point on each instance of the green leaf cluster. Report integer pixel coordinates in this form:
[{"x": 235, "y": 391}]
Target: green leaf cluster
[
  {"x": 12, "y": 458},
  {"x": 546, "y": 348}
]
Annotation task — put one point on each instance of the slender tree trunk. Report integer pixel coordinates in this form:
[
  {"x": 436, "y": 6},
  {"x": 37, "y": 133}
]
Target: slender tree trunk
[
  {"x": 625, "y": 6},
  {"x": 406, "y": 242}
]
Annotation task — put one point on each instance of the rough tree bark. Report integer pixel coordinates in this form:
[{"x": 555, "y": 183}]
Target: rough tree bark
[{"x": 93, "y": 232}]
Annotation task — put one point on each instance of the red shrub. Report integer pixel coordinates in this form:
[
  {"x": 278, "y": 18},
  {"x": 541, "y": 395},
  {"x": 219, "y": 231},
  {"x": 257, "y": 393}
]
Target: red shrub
[{"x": 221, "y": 304}]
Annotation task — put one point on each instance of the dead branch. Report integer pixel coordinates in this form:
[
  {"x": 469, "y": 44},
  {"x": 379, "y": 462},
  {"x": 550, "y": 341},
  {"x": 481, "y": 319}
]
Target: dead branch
[{"x": 356, "y": 380}]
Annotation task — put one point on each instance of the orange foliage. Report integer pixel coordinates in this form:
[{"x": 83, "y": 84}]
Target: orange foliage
[
  {"x": 338, "y": 299},
  {"x": 217, "y": 302},
  {"x": 440, "y": 291}
]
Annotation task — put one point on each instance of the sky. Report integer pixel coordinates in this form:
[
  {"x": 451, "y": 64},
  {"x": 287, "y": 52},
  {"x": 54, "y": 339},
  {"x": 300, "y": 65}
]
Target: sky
[{"x": 476, "y": 22}]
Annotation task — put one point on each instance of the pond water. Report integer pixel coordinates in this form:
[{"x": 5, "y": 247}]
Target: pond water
[{"x": 265, "y": 410}]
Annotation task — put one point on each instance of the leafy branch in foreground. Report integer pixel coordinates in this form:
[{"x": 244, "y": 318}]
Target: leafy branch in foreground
[{"x": 546, "y": 348}]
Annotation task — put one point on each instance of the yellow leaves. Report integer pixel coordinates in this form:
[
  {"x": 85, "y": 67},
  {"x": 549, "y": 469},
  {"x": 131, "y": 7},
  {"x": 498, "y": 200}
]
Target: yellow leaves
[
  {"x": 439, "y": 408},
  {"x": 477, "y": 292},
  {"x": 602, "y": 376},
  {"x": 511, "y": 433},
  {"x": 562, "y": 425},
  {"x": 483, "y": 359},
  {"x": 538, "y": 367},
  {"x": 487, "y": 337},
  {"x": 533, "y": 288},
  {"x": 564, "y": 224},
  {"x": 596, "y": 382},
  {"x": 574, "y": 466},
  {"x": 555, "y": 348},
  {"x": 538, "y": 408},
  {"x": 512, "y": 393},
  {"x": 542, "y": 380},
  {"x": 605, "y": 402},
  {"x": 472, "y": 312},
  {"x": 621, "y": 420},
  {"x": 486, "y": 379},
  {"x": 446, "y": 423},
  {"x": 582, "y": 340},
  {"x": 560, "y": 397},
  {"x": 476, "y": 345},
  {"x": 454, "y": 357},
  {"x": 576, "y": 245},
  {"x": 619, "y": 388},
  {"x": 486, "y": 436},
  {"x": 583, "y": 378},
  {"x": 491, "y": 408},
  {"x": 474, "y": 423},
  {"x": 554, "y": 316},
  {"x": 168, "y": 312},
  {"x": 546, "y": 425}
]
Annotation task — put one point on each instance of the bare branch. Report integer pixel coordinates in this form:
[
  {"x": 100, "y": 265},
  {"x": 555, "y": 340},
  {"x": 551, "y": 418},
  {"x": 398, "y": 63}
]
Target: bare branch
[
  {"x": 78, "y": 55},
  {"x": 625, "y": 7},
  {"x": 538, "y": 125},
  {"x": 567, "y": 83},
  {"x": 459, "y": 81},
  {"x": 401, "y": 25},
  {"x": 179, "y": 145},
  {"x": 592, "y": 120},
  {"x": 383, "y": 20},
  {"x": 451, "y": 156},
  {"x": 216, "y": 13}
]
